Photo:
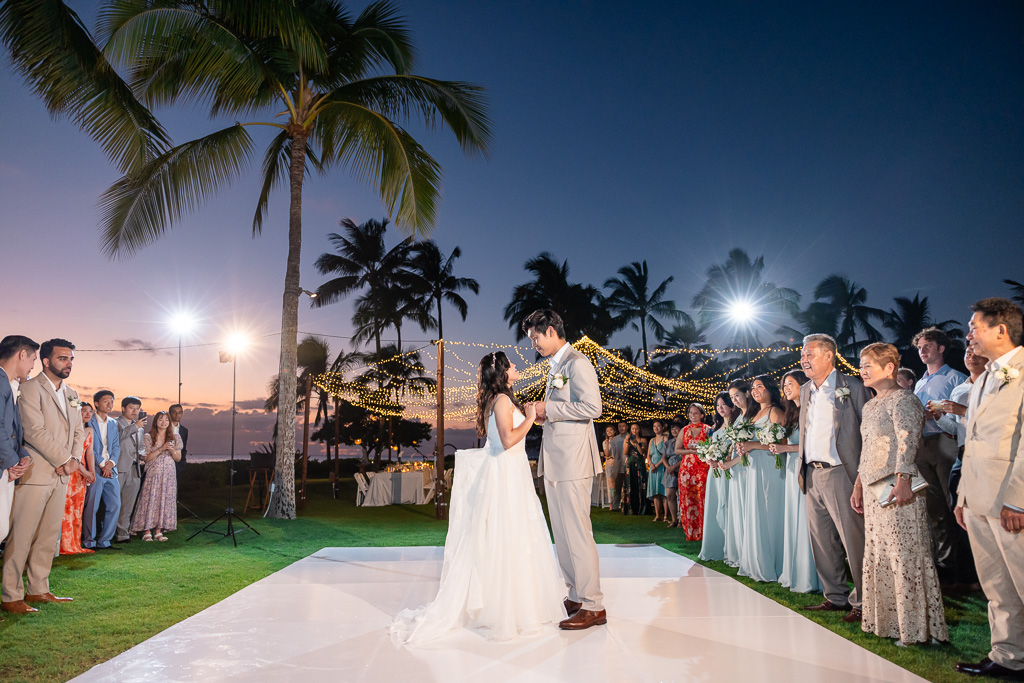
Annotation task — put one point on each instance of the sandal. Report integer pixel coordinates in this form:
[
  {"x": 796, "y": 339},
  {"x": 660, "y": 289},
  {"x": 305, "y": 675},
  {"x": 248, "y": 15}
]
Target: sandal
[
  {"x": 147, "y": 536},
  {"x": 160, "y": 537}
]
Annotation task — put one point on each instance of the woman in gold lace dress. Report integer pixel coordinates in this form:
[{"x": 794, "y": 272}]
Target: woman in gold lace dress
[{"x": 902, "y": 599}]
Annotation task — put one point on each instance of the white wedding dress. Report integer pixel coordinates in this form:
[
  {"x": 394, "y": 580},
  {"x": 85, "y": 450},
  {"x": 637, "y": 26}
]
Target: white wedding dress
[{"x": 500, "y": 577}]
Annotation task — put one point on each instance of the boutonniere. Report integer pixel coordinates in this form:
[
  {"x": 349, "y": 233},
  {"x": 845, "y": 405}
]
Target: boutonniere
[
  {"x": 842, "y": 394},
  {"x": 559, "y": 381},
  {"x": 1007, "y": 375},
  {"x": 75, "y": 403}
]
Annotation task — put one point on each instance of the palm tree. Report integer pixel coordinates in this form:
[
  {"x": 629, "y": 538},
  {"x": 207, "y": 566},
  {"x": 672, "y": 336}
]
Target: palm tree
[
  {"x": 631, "y": 299},
  {"x": 431, "y": 278},
  {"x": 681, "y": 339},
  {"x": 910, "y": 316},
  {"x": 395, "y": 374},
  {"x": 739, "y": 280},
  {"x": 387, "y": 306},
  {"x": 846, "y": 300},
  {"x": 362, "y": 261},
  {"x": 334, "y": 88},
  {"x": 1018, "y": 290},
  {"x": 580, "y": 306}
]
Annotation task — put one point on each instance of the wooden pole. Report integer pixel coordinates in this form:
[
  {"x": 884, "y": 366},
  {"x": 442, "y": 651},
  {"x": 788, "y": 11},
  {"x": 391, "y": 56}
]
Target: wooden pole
[{"x": 440, "y": 494}]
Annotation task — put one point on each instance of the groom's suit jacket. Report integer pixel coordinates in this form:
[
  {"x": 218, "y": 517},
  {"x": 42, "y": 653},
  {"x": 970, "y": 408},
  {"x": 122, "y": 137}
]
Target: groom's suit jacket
[
  {"x": 569, "y": 448},
  {"x": 12, "y": 450},
  {"x": 993, "y": 468},
  {"x": 845, "y": 426},
  {"x": 50, "y": 438}
]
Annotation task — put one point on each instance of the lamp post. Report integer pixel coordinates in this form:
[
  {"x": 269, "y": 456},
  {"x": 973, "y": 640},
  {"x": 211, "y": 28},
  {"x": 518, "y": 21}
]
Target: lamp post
[
  {"x": 235, "y": 344},
  {"x": 182, "y": 324},
  {"x": 743, "y": 313}
]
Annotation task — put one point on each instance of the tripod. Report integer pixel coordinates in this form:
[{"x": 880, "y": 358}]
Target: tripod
[{"x": 229, "y": 511}]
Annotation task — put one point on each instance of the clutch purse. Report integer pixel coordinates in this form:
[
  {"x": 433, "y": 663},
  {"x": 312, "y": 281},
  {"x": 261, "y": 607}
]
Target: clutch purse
[{"x": 882, "y": 488}]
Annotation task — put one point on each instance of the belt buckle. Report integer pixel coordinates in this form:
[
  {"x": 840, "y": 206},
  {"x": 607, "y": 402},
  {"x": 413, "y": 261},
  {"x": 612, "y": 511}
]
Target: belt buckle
[{"x": 818, "y": 465}]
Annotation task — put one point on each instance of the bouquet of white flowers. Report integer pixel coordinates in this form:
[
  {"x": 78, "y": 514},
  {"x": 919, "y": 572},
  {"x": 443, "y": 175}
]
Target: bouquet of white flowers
[
  {"x": 738, "y": 433},
  {"x": 773, "y": 432},
  {"x": 715, "y": 451}
]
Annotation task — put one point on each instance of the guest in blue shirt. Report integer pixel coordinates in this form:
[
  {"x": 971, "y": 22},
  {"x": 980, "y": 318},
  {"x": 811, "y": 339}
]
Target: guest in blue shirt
[{"x": 938, "y": 451}]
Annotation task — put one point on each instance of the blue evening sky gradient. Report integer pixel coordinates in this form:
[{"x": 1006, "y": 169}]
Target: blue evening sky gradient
[{"x": 878, "y": 140}]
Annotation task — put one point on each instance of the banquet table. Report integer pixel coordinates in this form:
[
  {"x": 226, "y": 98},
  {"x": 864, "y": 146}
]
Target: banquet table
[{"x": 398, "y": 488}]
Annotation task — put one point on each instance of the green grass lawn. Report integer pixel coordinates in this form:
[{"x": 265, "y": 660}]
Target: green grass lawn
[{"x": 124, "y": 597}]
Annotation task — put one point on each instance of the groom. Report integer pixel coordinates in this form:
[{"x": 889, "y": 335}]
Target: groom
[{"x": 569, "y": 460}]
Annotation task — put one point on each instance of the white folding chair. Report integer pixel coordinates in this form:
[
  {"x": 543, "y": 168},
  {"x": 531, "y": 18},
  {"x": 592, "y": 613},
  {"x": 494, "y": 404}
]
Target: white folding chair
[{"x": 362, "y": 488}]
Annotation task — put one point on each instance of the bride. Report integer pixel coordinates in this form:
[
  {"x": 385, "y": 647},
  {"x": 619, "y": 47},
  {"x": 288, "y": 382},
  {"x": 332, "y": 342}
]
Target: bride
[{"x": 500, "y": 578}]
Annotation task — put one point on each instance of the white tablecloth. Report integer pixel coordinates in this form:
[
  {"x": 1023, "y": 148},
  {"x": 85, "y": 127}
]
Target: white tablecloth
[{"x": 398, "y": 488}]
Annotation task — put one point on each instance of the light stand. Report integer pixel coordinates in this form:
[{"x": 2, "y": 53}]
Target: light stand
[
  {"x": 229, "y": 511},
  {"x": 191, "y": 514}
]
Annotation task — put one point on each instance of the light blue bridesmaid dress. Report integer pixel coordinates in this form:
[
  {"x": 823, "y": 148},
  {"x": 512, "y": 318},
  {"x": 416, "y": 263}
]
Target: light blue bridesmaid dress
[
  {"x": 798, "y": 572},
  {"x": 734, "y": 520},
  {"x": 764, "y": 508},
  {"x": 716, "y": 497}
]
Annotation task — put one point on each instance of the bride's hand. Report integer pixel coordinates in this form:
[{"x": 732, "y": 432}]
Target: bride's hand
[{"x": 530, "y": 410}]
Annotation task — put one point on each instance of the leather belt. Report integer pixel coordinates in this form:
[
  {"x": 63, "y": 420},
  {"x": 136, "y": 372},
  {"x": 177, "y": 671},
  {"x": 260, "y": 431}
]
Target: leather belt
[{"x": 818, "y": 465}]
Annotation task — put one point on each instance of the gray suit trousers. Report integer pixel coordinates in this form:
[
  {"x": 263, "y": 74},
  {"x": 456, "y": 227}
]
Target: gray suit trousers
[
  {"x": 837, "y": 533},
  {"x": 935, "y": 460},
  {"x": 130, "y": 483},
  {"x": 569, "y": 509}
]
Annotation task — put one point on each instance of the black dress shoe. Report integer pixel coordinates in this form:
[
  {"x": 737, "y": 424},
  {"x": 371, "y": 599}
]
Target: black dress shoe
[
  {"x": 987, "y": 667},
  {"x": 118, "y": 540},
  {"x": 854, "y": 617},
  {"x": 106, "y": 547},
  {"x": 827, "y": 606}
]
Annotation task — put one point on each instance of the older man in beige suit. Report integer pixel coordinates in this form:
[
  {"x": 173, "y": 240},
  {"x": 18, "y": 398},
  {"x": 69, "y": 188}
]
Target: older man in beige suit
[
  {"x": 991, "y": 495},
  {"x": 54, "y": 438},
  {"x": 569, "y": 461}
]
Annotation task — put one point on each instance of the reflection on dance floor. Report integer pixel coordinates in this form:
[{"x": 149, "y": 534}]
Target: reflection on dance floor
[{"x": 323, "y": 619}]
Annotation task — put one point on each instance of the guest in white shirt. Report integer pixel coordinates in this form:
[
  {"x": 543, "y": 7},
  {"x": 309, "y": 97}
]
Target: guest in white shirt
[
  {"x": 17, "y": 358},
  {"x": 937, "y": 453},
  {"x": 991, "y": 501}
]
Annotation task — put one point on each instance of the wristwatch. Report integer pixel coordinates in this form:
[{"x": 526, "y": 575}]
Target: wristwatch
[{"x": 903, "y": 475}]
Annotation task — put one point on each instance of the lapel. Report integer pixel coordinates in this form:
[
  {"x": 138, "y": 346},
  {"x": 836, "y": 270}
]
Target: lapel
[
  {"x": 557, "y": 370},
  {"x": 44, "y": 381},
  {"x": 1016, "y": 361},
  {"x": 837, "y": 405},
  {"x": 14, "y": 406}
]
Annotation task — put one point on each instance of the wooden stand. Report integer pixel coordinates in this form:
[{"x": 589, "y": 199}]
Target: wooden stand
[{"x": 260, "y": 477}]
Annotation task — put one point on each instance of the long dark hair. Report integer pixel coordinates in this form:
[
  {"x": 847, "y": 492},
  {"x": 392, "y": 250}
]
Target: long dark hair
[
  {"x": 792, "y": 414},
  {"x": 744, "y": 386},
  {"x": 772, "y": 387},
  {"x": 734, "y": 412},
  {"x": 492, "y": 380}
]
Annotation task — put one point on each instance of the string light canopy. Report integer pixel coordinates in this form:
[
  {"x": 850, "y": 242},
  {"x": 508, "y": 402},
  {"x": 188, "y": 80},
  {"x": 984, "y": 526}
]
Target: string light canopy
[{"x": 628, "y": 392}]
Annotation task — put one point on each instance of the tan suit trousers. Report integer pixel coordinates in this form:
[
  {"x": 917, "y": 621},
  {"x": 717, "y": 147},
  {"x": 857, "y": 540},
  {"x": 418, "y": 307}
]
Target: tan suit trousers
[
  {"x": 999, "y": 558},
  {"x": 569, "y": 509},
  {"x": 35, "y": 532}
]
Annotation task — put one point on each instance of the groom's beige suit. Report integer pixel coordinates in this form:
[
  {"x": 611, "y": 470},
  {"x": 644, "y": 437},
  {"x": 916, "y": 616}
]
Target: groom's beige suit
[
  {"x": 993, "y": 476},
  {"x": 569, "y": 460}
]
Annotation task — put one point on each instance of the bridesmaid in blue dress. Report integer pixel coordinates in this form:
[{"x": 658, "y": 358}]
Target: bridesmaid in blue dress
[
  {"x": 656, "y": 452},
  {"x": 798, "y": 572},
  {"x": 716, "y": 495},
  {"x": 764, "y": 492},
  {"x": 739, "y": 392}
]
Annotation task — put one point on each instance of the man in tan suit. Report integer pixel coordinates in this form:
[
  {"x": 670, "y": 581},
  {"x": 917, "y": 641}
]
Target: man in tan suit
[
  {"x": 54, "y": 438},
  {"x": 569, "y": 461},
  {"x": 991, "y": 494}
]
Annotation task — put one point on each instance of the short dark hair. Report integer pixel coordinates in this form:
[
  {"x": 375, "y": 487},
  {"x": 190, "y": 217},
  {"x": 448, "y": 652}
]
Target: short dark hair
[
  {"x": 932, "y": 334},
  {"x": 12, "y": 344},
  {"x": 130, "y": 400},
  {"x": 101, "y": 393},
  {"x": 46, "y": 350},
  {"x": 999, "y": 311},
  {"x": 175, "y": 405},
  {"x": 543, "y": 319}
]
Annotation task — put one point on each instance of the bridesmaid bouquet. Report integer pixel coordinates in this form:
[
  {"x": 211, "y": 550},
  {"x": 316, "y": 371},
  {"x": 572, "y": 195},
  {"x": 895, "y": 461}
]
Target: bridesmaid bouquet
[
  {"x": 738, "y": 433},
  {"x": 771, "y": 433},
  {"x": 714, "y": 451}
]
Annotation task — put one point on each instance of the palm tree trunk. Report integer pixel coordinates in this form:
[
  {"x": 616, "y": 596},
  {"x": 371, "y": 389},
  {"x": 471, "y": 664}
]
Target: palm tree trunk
[
  {"x": 440, "y": 326},
  {"x": 282, "y": 505},
  {"x": 305, "y": 438},
  {"x": 337, "y": 435},
  {"x": 643, "y": 336}
]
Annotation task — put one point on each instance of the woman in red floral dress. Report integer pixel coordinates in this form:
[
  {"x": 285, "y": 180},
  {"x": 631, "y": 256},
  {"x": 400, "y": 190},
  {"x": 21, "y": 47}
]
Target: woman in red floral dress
[
  {"x": 71, "y": 527},
  {"x": 693, "y": 473}
]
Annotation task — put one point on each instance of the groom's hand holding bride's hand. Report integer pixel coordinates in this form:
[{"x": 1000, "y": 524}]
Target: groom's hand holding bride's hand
[
  {"x": 539, "y": 411},
  {"x": 530, "y": 409}
]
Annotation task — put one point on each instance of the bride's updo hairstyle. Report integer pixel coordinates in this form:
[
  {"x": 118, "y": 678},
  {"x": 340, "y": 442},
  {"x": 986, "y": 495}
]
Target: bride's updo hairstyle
[{"x": 492, "y": 380}]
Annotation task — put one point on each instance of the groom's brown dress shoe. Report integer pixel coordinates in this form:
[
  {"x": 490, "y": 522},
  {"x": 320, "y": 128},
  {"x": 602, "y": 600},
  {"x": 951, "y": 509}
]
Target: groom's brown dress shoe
[
  {"x": 827, "y": 606},
  {"x": 987, "y": 667},
  {"x": 17, "y": 607},
  {"x": 571, "y": 607},
  {"x": 584, "y": 618},
  {"x": 46, "y": 597}
]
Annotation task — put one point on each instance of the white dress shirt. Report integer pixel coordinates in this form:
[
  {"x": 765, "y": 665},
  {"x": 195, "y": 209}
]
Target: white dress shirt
[
  {"x": 955, "y": 424},
  {"x": 557, "y": 358},
  {"x": 63, "y": 403},
  {"x": 105, "y": 455},
  {"x": 15, "y": 388},
  {"x": 820, "y": 427}
]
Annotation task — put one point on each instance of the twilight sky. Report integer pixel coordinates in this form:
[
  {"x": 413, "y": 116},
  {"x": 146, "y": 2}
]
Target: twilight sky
[{"x": 882, "y": 141}]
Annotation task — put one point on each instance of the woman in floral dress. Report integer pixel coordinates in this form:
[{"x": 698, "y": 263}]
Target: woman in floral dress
[
  {"x": 157, "y": 509},
  {"x": 693, "y": 473},
  {"x": 71, "y": 527}
]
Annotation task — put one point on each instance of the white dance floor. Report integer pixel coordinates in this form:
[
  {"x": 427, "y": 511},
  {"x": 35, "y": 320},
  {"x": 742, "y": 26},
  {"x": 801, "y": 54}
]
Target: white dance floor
[{"x": 323, "y": 619}]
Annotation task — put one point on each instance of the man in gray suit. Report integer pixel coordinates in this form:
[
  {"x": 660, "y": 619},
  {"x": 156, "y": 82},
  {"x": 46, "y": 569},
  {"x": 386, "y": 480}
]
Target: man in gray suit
[
  {"x": 569, "y": 461},
  {"x": 17, "y": 358},
  {"x": 131, "y": 427},
  {"x": 830, "y": 411}
]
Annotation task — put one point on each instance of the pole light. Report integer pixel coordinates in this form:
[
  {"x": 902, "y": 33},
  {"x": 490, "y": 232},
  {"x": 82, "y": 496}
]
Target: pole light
[{"x": 182, "y": 323}]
